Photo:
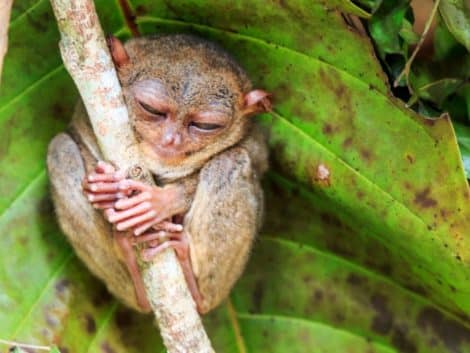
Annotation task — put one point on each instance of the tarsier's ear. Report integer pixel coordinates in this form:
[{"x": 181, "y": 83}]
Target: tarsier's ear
[
  {"x": 257, "y": 101},
  {"x": 118, "y": 53}
]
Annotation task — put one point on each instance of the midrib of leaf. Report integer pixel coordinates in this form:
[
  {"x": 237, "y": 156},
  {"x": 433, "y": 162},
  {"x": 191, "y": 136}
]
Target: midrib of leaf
[
  {"x": 25, "y": 13},
  {"x": 311, "y": 323},
  {"x": 102, "y": 325},
  {"x": 23, "y": 191},
  {"x": 55, "y": 274},
  {"x": 364, "y": 270},
  {"x": 232, "y": 314},
  {"x": 276, "y": 46}
]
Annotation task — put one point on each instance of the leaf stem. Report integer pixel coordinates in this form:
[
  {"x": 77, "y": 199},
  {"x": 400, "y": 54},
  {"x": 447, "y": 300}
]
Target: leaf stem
[
  {"x": 24, "y": 345},
  {"x": 407, "y": 68}
]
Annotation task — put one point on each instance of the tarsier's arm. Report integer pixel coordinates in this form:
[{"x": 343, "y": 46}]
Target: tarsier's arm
[
  {"x": 152, "y": 214},
  {"x": 219, "y": 228}
]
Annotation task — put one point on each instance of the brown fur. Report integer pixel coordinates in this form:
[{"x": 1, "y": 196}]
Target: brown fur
[{"x": 220, "y": 172}]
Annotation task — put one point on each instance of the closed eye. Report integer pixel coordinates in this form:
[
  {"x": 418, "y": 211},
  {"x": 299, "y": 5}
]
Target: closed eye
[
  {"x": 151, "y": 110},
  {"x": 205, "y": 126}
]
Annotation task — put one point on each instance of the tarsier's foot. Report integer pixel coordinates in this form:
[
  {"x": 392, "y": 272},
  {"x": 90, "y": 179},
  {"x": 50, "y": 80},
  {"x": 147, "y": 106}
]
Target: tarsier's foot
[{"x": 156, "y": 242}]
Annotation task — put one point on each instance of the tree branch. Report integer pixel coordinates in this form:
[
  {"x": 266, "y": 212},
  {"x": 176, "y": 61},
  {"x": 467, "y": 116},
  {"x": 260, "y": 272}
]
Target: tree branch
[
  {"x": 5, "y": 10},
  {"x": 86, "y": 57}
]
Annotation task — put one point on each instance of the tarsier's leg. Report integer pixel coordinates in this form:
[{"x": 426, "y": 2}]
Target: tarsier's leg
[
  {"x": 156, "y": 242},
  {"x": 222, "y": 223},
  {"x": 85, "y": 228}
]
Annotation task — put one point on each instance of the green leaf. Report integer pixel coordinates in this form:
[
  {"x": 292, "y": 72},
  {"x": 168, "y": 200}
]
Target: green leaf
[
  {"x": 463, "y": 136},
  {"x": 456, "y": 14},
  {"x": 54, "y": 349},
  {"x": 374, "y": 258},
  {"x": 386, "y": 23}
]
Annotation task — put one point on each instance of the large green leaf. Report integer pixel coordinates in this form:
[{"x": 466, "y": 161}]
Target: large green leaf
[{"x": 373, "y": 258}]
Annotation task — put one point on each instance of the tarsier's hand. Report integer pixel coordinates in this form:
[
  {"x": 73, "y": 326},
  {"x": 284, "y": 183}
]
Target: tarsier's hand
[
  {"x": 148, "y": 208},
  {"x": 102, "y": 186},
  {"x": 130, "y": 204}
]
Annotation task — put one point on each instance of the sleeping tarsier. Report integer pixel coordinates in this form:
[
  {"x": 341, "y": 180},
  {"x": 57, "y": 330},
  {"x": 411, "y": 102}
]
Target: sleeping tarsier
[{"x": 190, "y": 105}]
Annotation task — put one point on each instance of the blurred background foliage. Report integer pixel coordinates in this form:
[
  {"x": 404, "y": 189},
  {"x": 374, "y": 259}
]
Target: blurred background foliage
[{"x": 438, "y": 81}]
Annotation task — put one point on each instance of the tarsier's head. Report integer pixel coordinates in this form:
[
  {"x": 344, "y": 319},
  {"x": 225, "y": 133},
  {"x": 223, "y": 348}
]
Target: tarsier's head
[{"x": 188, "y": 99}]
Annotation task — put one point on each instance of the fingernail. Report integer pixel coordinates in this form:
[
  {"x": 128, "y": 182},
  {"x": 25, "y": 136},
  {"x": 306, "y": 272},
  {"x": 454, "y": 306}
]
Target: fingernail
[
  {"x": 179, "y": 227},
  {"x": 93, "y": 188},
  {"x": 91, "y": 198},
  {"x": 90, "y": 178},
  {"x": 120, "y": 227}
]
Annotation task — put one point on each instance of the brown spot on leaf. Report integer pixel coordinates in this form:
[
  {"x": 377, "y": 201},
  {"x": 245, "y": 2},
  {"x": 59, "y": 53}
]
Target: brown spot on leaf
[
  {"x": 383, "y": 320},
  {"x": 366, "y": 155},
  {"x": 318, "y": 295},
  {"x": 401, "y": 341},
  {"x": 90, "y": 324},
  {"x": 355, "y": 280},
  {"x": 257, "y": 296},
  {"x": 423, "y": 198},
  {"x": 448, "y": 331},
  {"x": 347, "y": 142},
  {"x": 429, "y": 121},
  {"x": 410, "y": 158},
  {"x": 106, "y": 348},
  {"x": 327, "y": 129},
  {"x": 331, "y": 219}
]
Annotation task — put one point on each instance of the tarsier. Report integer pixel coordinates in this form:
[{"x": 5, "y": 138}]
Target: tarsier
[{"x": 190, "y": 105}]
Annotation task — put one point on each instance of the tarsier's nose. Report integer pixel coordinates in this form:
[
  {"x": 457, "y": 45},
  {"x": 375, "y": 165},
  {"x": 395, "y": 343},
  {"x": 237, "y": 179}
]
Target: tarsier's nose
[{"x": 171, "y": 138}]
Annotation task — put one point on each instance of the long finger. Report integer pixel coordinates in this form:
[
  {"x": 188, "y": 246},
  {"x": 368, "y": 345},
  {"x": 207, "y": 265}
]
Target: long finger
[
  {"x": 165, "y": 225},
  {"x": 102, "y": 187},
  {"x": 168, "y": 226},
  {"x": 101, "y": 197},
  {"x": 131, "y": 222},
  {"x": 161, "y": 235},
  {"x": 96, "y": 177},
  {"x": 114, "y": 216},
  {"x": 126, "y": 203},
  {"x": 142, "y": 228},
  {"x": 103, "y": 205}
]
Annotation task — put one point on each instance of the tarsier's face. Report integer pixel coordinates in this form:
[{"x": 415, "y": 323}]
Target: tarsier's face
[
  {"x": 175, "y": 121},
  {"x": 187, "y": 98}
]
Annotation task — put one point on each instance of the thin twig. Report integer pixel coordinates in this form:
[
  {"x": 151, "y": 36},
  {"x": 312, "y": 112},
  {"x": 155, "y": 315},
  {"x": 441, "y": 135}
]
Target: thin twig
[
  {"x": 5, "y": 11},
  {"x": 86, "y": 57},
  {"x": 24, "y": 345},
  {"x": 407, "y": 68}
]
